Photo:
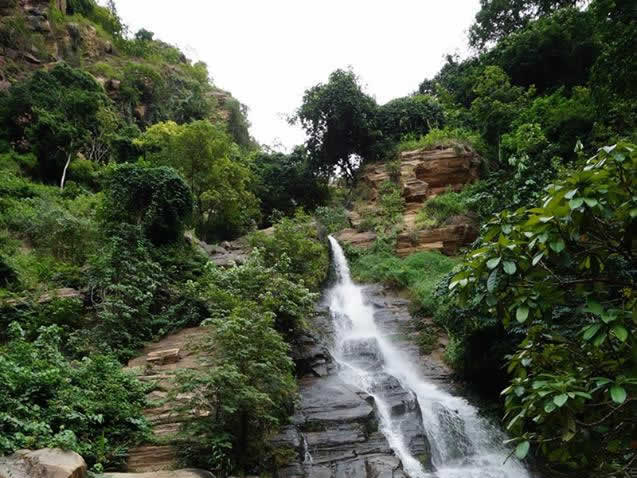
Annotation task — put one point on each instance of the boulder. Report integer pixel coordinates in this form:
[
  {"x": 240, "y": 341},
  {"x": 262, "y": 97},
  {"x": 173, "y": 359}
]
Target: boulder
[
  {"x": 187, "y": 473},
  {"x": 44, "y": 463},
  {"x": 163, "y": 357},
  {"x": 113, "y": 85},
  {"x": 140, "y": 112},
  {"x": 447, "y": 239},
  {"x": 359, "y": 239}
]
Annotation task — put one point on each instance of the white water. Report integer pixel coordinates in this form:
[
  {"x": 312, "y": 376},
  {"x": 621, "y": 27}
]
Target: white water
[{"x": 463, "y": 445}]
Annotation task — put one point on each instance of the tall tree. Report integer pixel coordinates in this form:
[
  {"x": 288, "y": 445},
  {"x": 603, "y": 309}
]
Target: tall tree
[
  {"x": 339, "y": 119},
  {"x": 56, "y": 114},
  {"x": 499, "y": 18},
  {"x": 211, "y": 164}
]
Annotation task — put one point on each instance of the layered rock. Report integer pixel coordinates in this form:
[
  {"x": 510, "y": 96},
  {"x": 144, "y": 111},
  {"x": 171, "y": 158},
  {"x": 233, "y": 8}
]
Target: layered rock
[
  {"x": 335, "y": 432},
  {"x": 447, "y": 239},
  {"x": 187, "y": 473},
  {"x": 424, "y": 173},
  {"x": 159, "y": 363}
]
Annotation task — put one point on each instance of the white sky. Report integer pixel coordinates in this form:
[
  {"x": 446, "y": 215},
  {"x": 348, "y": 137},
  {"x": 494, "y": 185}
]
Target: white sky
[{"x": 267, "y": 53}]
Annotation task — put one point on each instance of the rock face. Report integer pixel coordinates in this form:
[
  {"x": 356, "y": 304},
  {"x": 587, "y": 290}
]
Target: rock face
[
  {"x": 158, "y": 364},
  {"x": 44, "y": 463},
  {"x": 334, "y": 432},
  {"x": 447, "y": 239},
  {"x": 424, "y": 173},
  {"x": 228, "y": 254}
]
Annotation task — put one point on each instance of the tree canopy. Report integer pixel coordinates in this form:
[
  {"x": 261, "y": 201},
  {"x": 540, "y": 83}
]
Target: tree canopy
[
  {"x": 211, "y": 164},
  {"x": 339, "y": 120}
]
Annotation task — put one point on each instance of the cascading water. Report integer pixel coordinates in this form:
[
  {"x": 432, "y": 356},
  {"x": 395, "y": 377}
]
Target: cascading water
[{"x": 462, "y": 444}]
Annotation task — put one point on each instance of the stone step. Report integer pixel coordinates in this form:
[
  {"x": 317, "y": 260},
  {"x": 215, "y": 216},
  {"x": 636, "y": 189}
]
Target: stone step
[{"x": 149, "y": 458}]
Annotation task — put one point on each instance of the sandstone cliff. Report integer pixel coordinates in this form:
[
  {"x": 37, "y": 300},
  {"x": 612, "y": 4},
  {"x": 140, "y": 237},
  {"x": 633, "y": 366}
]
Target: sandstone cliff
[{"x": 423, "y": 174}]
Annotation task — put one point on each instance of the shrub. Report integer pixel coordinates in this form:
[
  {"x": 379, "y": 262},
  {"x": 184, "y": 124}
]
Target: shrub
[
  {"x": 391, "y": 205},
  {"x": 562, "y": 274},
  {"x": 439, "y": 208},
  {"x": 444, "y": 138},
  {"x": 333, "y": 219},
  {"x": 90, "y": 406},
  {"x": 156, "y": 199},
  {"x": 295, "y": 249},
  {"x": 416, "y": 114},
  {"x": 246, "y": 390}
]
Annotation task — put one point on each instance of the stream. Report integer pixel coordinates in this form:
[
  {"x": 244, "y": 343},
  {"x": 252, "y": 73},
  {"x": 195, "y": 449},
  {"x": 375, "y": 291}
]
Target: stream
[
  {"x": 368, "y": 408},
  {"x": 462, "y": 444}
]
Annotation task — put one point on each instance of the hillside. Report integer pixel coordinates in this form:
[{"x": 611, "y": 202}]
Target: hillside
[
  {"x": 148, "y": 80},
  {"x": 440, "y": 285}
]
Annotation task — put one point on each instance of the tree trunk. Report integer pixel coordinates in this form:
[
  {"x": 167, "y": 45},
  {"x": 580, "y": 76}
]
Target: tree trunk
[{"x": 66, "y": 166}]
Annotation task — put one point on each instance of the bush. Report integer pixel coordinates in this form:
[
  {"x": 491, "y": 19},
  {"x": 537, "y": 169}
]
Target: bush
[
  {"x": 247, "y": 389},
  {"x": 458, "y": 138},
  {"x": 415, "y": 115},
  {"x": 562, "y": 274},
  {"x": 391, "y": 205},
  {"x": 294, "y": 248},
  {"x": 156, "y": 199},
  {"x": 439, "y": 208},
  {"x": 90, "y": 406},
  {"x": 333, "y": 219}
]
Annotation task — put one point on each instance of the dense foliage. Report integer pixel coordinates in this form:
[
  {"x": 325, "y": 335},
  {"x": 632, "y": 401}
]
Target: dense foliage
[
  {"x": 56, "y": 115},
  {"x": 211, "y": 164},
  {"x": 145, "y": 148},
  {"x": 285, "y": 182},
  {"x": 564, "y": 273},
  {"x": 90, "y": 406},
  {"x": 246, "y": 387}
]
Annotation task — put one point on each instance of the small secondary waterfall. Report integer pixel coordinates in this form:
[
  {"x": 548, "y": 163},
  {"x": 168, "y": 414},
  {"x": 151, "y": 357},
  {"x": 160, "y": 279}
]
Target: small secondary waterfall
[{"x": 463, "y": 444}]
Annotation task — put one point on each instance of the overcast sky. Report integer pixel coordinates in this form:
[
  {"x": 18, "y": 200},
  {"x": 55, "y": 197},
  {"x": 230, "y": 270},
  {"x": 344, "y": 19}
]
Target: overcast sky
[{"x": 267, "y": 53}]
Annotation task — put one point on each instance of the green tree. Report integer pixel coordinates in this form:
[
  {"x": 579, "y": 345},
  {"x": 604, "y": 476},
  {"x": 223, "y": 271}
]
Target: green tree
[
  {"x": 295, "y": 250},
  {"x": 155, "y": 199},
  {"x": 339, "y": 120},
  {"x": 242, "y": 394},
  {"x": 563, "y": 273},
  {"x": 499, "y": 18},
  {"x": 285, "y": 182},
  {"x": 557, "y": 50},
  {"x": 56, "y": 114},
  {"x": 614, "y": 75},
  {"x": 497, "y": 104},
  {"x": 415, "y": 115},
  {"x": 213, "y": 168}
]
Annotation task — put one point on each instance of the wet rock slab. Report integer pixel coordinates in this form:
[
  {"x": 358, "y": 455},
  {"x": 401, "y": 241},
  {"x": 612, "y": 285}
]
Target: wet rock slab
[{"x": 334, "y": 432}]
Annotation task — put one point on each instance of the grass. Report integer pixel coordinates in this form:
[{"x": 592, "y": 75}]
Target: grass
[
  {"x": 439, "y": 208},
  {"x": 443, "y": 138},
  {"x": 418, "y": 273}
]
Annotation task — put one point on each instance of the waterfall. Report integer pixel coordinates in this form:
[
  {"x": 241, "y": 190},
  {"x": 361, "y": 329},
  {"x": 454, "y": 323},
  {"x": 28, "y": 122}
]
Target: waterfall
[{"x": 462, "y": 444}]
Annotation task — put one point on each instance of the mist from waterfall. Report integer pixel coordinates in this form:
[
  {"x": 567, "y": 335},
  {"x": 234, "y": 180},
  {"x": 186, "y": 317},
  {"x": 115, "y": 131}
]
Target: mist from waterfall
[{"x": 462, "y": 444}]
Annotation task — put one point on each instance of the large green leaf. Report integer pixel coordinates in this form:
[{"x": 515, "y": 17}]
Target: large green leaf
[
  {"x": 491, "y": 281},
  {"x": 560, "y": 400},
  {"x": 493, "y": 263},
  {"x": 618, "y": 394},
  {"x": 522, "y": 314},
  {"x": 522, "y": 449},
  {"x": 620, "y": 332}
]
